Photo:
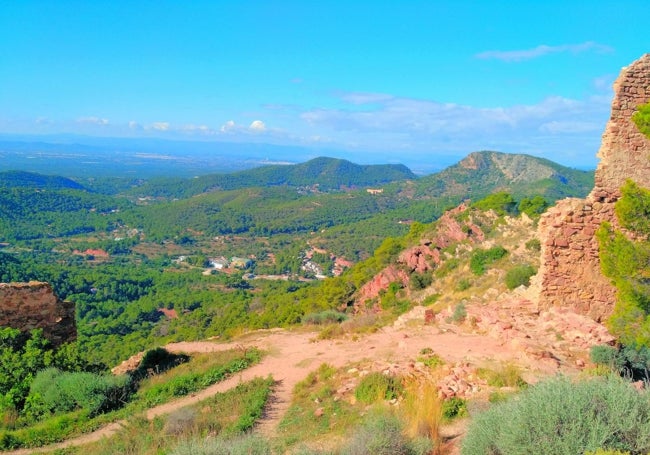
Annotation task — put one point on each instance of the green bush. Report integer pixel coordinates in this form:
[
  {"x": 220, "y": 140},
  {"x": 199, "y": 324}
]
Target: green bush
[
  {"x": 463, "y": 285},
  {"x": 324, "y": 317},
  {"x": 641, "y": 119},
  {"x": 418, "y": 281},
  {"x": 159, "y": 360},
  {"x": 625, "y": 261},
  {"x": 608, "y": 356},
  {"x": 481, "y": 259},
  {"x": 502, "y": 203},
  {"x": 559, "y": 416},
  {"x": 382, "y": 434},
  {"x": 533, "y": 207},
  {"x": 519, "y": 275},
  {"x": 454, "y": 407},
  {"x": 377, "y": 386},
  {"x": 55, "y": 392},
  {"x": 534, "y": 245}
]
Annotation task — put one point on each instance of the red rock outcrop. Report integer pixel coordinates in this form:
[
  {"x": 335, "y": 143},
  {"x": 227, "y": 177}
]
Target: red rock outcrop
[
  {"x": 570, "y": 267},
  {"x": 424, "y": 257},
  {"x": 34, "y": 305}
]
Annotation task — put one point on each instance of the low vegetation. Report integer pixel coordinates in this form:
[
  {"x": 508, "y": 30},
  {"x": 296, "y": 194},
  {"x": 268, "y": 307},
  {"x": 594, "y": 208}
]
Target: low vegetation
[
  {"x": 562, "y": 416},
  {"x": 641, "y": 119},
  {"x": 519, "y": 275},
  {"x": 219, "y": 424},
  {"x": 481, "y": 259},
  {"x": 61, "y": 405}
]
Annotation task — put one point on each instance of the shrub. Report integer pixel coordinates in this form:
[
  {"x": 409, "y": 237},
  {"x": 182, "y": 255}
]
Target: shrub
[
  {"x": 481, "y": 259},
  {"x": 57, "y": 392},
  {"x": 382, "y": 434},
  {"x": 159, "y": 360},
  {"x": 508, "y": 375},
  {"x": 641, "y": 119},
  {"x": 418, "y": 281},
  {"x": 533, "y": 207},
  {"x": 247, "y": 444},
  {"x": 560, "y": 416},
  {"x": 377, "y": 386},
  {"x": 447, "y": 266},
  {"x": 324, "y": 317},
  {"x": 454, "y": 407},
  {"x": 519, "y": 275},
  {"x": 459, "y": 314},
  {"x": 463, "y": 285},
  {"x": 502, "y": 203},
  {"x": 608, "y": 356},
  {"x": 534, "y": 245},
  {"x": 423, "y": 410}
]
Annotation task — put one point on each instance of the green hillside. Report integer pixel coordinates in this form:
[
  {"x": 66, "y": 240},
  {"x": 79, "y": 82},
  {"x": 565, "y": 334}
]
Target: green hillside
[
  {"x": 323, "y": 174},
  {"x": 481, "y": 173},
  {"x": 21, "y": 179}
]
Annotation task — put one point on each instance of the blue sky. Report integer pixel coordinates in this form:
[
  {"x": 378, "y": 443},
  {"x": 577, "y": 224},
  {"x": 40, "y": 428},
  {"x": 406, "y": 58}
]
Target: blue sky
[{"x": 408, "y": 81}]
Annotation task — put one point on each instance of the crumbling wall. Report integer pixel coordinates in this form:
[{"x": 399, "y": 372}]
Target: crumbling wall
[
  {"x": 570, "y": 266},
  {"x": 27, "y": 306}
]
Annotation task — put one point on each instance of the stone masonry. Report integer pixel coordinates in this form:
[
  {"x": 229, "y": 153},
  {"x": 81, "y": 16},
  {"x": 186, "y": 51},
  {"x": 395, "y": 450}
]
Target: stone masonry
[
  {"x": 570, "y": 267},
  {"x": 34, "y": 305}
]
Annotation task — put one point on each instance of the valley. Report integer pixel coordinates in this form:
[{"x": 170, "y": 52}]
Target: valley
[{"x": 454, "y": 292}]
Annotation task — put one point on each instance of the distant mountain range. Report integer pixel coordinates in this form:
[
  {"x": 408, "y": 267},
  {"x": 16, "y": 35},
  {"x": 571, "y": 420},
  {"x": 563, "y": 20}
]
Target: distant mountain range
[{"x": 477, "y": 175}]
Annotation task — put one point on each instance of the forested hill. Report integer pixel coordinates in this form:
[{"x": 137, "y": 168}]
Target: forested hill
[
  {"x": 21, "y": 179},
  {"x": 323, "y": 173},
  {"x": 481, "y": 173}
]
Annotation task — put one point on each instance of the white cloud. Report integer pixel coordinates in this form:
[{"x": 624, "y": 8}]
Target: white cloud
[
  {"x": 390, "y": 123},
  {"x": 133, "y": 125},
  {"x": 542, "y": 50},
  {"x": 364, "y": 98},
  {"x": 257, "y": 126},
  {"x": 160, "y": 126},
  {"x": 200, "y": 129},
  {"x": 44, "y": 121},
  {"x": 228, "y": 126},
  {"x": 569, "y": 126},
  {"x": 93, "y": 120}
]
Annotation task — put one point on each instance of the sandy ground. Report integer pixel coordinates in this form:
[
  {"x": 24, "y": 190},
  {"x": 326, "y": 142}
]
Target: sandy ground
[{"x": 292, "y": 355}]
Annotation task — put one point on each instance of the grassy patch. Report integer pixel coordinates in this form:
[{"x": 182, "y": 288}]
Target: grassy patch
[
  {"x": 318, "y": 408},
  {"x": 376, "y": 387},
  {"x": 506, "y": 375},
  {"x": 220, "y": 419},
  {"x": 201, "y": 371},
  {"x": 194, "y": 376}
]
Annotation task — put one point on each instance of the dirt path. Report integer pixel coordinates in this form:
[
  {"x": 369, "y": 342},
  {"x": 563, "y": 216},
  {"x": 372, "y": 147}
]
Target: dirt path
[{"x": 292, "y": 355}]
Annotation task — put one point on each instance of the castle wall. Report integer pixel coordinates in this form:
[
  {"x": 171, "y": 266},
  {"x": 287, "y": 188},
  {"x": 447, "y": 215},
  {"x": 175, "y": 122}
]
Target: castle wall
[
  {"x": 33, "y": 305},
  {"x": 570, "y": 267}
]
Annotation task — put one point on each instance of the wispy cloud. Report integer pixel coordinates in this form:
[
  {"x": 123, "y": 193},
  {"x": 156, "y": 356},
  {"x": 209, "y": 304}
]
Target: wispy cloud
[
  {"x": 160, "y": 126},
  {"x": 93, "y": 120},
  {"x": 256, "y": 127},
  {"x": 542, "y": 50},
  {"x": 406, "y": 124}
]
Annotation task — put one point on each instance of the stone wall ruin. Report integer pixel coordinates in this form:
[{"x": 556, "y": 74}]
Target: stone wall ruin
[
  {"x": 570, "y": 266},
  {"x": 33, "y": 305}
]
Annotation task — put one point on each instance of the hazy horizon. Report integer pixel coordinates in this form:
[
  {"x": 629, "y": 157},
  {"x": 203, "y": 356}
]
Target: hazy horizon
[{"x": 422, "y": 82}]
